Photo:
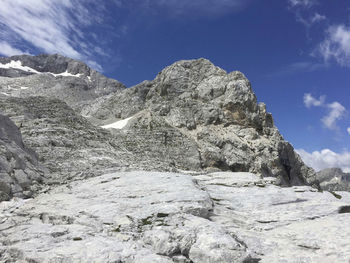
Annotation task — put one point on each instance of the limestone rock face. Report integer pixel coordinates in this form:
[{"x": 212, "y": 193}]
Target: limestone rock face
[
  {"x": 169, "y": 217},
  {"x": 72, "y": 148},
  {"x": 20, "y": 174},
  {"x": 334, "y": 179},
  {"x": 192, "y": 116},
  {"x": 217, "y": 111}
]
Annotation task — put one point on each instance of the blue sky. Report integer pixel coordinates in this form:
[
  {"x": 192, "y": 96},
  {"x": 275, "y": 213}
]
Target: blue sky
[{"x": 296, "y": 53}]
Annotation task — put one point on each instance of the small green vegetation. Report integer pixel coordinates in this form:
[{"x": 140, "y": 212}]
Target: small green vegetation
[{"x": 336, "y": 195}]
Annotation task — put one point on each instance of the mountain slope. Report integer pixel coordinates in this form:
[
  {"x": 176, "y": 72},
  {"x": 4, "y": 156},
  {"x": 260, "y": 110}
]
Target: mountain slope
[
  {"x": 54, "y": 76},
  {"x": 192, "y": 116}
]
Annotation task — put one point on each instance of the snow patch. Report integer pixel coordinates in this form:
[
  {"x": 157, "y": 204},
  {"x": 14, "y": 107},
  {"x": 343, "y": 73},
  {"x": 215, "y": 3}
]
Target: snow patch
[
  {"x": 18, "y": 65},
  {"x": 24, "y": 88},
  {"x": 66, "y": 74},
  {"x": 5, "y": 94},
  {"x": 118, "y": 124}
]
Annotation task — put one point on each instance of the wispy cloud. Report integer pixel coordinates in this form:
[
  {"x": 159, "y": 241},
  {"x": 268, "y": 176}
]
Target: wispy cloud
[
  {"x": 336, "y": 111},
  {"x": 8, "y": 50},
  {"x": 309, "y": 21},
  {"x": 309, "y": 100},
  {"x": 326, "y": 159},
  {"x": 336, "y": 45},
  {"x": 302, "y": 3},
  {"x": 51, "y": 26},
  {"x": 348, "y": 130}
]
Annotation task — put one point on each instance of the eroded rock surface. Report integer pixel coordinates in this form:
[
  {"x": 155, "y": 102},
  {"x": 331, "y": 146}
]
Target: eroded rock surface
[
  {"x": 216, "y": 110},
  {"x": 20, "y": 174},
  {"x": 167, "y": 217}
]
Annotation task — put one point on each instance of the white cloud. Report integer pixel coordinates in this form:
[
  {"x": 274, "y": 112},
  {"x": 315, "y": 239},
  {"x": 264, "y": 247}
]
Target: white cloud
[
  {"x": 336, "y": 45},
  {"x": 336, "y": 111},
  {"x": 308, "y": 22},
  {"x": 303, "y": 3},
  {"x": 7, "y": 50},
  {"x": 317, "y": 18},
  {"x": 52, "y": 26},
  {"x": 348, "y": 130},
  {"x": 326, "y": 159},
  {"x": 309, "y": 100}
]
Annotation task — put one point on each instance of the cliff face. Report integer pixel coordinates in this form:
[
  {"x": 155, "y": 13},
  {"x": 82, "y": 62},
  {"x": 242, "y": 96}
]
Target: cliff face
[
  {"x": 20, "y": 174},
  {"x": 192, "y": 116},
  {"x": 217, "y": 111}
]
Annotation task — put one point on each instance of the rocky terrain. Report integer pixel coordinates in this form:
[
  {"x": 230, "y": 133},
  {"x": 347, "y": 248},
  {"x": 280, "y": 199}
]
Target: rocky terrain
[
  {"x": 188, "y": 167},
  {"x": 167, "y": 217},
  {"x": 334, "y": 179},
  {"x": 20, "y": 174}
]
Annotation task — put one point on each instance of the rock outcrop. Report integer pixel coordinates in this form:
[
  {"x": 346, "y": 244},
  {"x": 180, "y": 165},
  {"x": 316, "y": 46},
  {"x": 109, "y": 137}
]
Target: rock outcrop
[
  {"x": 334, "y": 179},
  {"x": 166, "y": 217},
  {"x": 217, "y": 111},
  {"x": 20, "y": 174}
]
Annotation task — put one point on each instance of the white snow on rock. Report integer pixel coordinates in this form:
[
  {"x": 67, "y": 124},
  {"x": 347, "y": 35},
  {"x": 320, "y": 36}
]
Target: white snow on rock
[
  {"x": 66, "y": 74},
  {"x": 18, "y": 65},
  {"x": 118, "y": 124},
  {"x": 24, "y": 88}
]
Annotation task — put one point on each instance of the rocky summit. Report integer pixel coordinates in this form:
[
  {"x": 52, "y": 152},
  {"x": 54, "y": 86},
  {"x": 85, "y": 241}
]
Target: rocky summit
[{"x": 187, "y": 167}]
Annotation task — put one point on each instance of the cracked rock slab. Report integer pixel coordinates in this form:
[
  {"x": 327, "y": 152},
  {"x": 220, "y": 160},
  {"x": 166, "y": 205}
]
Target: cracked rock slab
[{"x": 121, "y": 217}]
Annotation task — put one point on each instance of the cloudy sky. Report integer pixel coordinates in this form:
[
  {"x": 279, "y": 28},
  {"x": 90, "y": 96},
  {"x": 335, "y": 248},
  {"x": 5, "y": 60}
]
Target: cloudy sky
[{"x": 296, "y": 53}]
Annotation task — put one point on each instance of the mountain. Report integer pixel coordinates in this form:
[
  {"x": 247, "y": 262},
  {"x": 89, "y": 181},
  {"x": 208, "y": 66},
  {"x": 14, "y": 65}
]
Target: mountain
[
  {"x": 185, "y": 168},
  {"x": 54, "y": 76},
  {"x": 192, "y": 116},
  {"x": 334, "y": 179}
]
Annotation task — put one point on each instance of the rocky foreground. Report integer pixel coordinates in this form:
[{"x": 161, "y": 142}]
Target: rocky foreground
[
  {"x": 168, "y": 217},
  {"x": 185, "y": 168}
]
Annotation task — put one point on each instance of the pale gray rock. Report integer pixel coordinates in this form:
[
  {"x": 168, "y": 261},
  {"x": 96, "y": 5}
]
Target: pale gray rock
[
  {"x": 216, "y": 110},
  {"x": 334, "y": 179},
  {"x": 169, "y": 217},
  {"x": 121, "y": 217},
  {"x": 72, "y": 148},
  {"x": 20, "y": 174},
  {"x": 296, "y": 224}
]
